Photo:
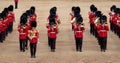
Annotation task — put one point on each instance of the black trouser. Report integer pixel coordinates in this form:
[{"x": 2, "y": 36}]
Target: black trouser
[
  {"x": 103, "y": 43},
  {"x": 92, "y": 28},
  {"x": 111, "y": 26},
  {"x": 22, "y": 44},
  {"x": 16, "y": 5},
  {"x": 48, "y": 41},
  {"x": 96, "y": 34},
  {"x": 4, "y": 34},
  {"x": 26, "y": 43},
  {"x": 33, "y": 47},
  {"x": 115, "y": 29},
  {"x": 52, "y": 43},
  {"x": 119, "y": 32},
  {"x": 1, "y": 37},
  {"x": 11, "y": 27},
  {"x": 79, "y": 44}
]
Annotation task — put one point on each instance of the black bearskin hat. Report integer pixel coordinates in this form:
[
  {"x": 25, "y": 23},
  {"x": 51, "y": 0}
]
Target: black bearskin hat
[
  {"x": 28, "y": 12},
  {"x": 92, "y": 7},
  {"x": 116, "y": 10},
  {"x": 52, "y": 11},
  {"x": 119, "y": 11},
  {"x": 98, "y": 14},
  {"x": 79, "y": 19},
  {"x": 6, "y": 11},
  {"x": 33, "y": 9},
  {"x": 77, "y": 10},
  {"x": 55, "y": 9},
  {"x": 23, "y": 19},
  {"x": 4, "y": 14},
  {"x": 33, "y": 24},
  {"x": 10, "y": 8},
  {"x": 103, "y": 19},
  {"x": 112, "y": 7},
  {"x": 73, "y": 8},
  {"x": 0, "y": 15}
]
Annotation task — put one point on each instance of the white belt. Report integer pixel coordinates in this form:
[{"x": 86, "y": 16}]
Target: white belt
[
  {"x": 52, "y": 32},
  {"x": 78, "y": 31},
  {"x": 103, "y": 30},
  {"x": 22, "y": 33}
]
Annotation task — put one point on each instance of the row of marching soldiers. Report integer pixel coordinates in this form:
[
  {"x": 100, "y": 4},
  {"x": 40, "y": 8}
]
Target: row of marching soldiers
[
  {"x": 28, "y": 32},
  {"x": 98, "y": 27},
  {"x": 6, "y": 22},
  {"x": 115, "y": 20},
  {"x": 77, "y": 27},
  {"x": 52, "y": 28}
]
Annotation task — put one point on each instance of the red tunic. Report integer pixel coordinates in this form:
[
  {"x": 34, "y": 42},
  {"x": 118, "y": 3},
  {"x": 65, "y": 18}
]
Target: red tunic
[
  {"x": 114, "y": 19},
  {"x": 11, "y": 17},
  {"x": 79, "y": 31},
  {"x": 1, "y": 26},
  {"x": 15, "y": 0},
  {"x": 102, "y": 30},
  {"x": 111, "y": 14},
  {"x": 23, "y": 31},
  {"x": 52, "y": 33},
  {"x": 33, "y": 18},
  {"x": 91, "y": 17},
  {"x": 118, "y": 22},
  {"x": 4, "y": 25},
  {"x": 34, "y": 34}
]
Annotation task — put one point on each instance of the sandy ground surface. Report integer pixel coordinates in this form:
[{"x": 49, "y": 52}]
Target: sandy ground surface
[{"x": 65, "y": 46}]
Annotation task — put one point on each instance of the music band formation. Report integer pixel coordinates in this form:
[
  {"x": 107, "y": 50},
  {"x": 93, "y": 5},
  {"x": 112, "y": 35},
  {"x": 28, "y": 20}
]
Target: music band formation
[{"x": 29, "y": 34}]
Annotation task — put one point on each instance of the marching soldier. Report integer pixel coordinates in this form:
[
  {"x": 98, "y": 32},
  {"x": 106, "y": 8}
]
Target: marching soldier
[
  {"x": 33, "y": 15},
  {"x": 22, "y": 29},
  {"x": 52, "y": 34},
  {"x": 118, "y": 24},
  {"x": 51, "y": 20},
  {"x": 111, "y": 14},
  {"x": 52, "y": 31},
  {"x": 1, "y": 27},
  {"x": 93, "y": 9},
  {"x": 33, "y": 35},
  {"x": 102, "y": 29},
  {"x": 78, "y": 30},
  {"x": 16, "y": 4},
  {"x": 11, "y": 18}
]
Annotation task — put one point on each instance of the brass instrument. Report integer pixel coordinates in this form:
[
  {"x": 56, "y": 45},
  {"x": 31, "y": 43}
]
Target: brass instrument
[{"x": 32, "y": 33}]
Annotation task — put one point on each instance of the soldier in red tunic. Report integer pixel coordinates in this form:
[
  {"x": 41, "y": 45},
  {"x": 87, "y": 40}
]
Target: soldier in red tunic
[
  {"x": 115, "y": 18},
  {"x": 111, "y": 14},
  {"x": 16, "y": 4},
  {"x": 33, "y": 15},
  {"x": 78, "y": 30},
  {"x": 11, "y": 18},
  {"x": 1, "y": 27},
  {"x": 52, "y": 34},
  {"x": 91, "y": 14},
  {"x": 22, "y": 29},
  {"x": 102, "y": 29},
  {"x": 118, "y": 24},
  {"x": 52, "y": 19},
  {"x": 33, "y": 35}
]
